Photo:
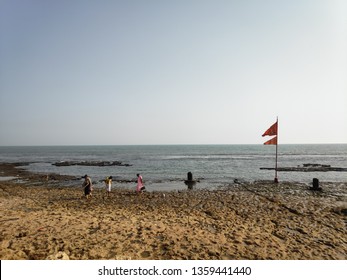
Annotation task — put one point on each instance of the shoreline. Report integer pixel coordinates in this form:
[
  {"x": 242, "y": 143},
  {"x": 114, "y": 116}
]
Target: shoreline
[
  {"x": 244, "y": 221},
  {"x": 16, "y": 172}
]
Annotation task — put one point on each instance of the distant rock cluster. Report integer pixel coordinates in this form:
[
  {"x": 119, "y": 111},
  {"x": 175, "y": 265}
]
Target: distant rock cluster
[
  {"x": 308, "y": 167},
  {"x": 90, "y": 163}
]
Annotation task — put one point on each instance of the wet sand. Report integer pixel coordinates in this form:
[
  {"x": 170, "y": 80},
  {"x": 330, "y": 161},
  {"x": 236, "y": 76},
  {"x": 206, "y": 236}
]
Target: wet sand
[{"x": 244, "y": 221}]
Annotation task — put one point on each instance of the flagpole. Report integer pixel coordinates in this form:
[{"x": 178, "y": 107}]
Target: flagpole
[
  {"x": 276, "y": 178},
  {"x": 273, "y": 130}
]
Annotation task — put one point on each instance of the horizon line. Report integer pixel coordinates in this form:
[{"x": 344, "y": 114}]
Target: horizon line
[{"x": 93, "y": 145}]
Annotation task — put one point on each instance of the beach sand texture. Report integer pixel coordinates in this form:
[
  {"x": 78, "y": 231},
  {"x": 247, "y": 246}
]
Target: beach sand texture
[{"x": 250, "y": 221}]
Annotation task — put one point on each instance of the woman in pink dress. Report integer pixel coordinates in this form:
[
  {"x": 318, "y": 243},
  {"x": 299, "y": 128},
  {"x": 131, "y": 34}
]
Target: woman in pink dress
[{"x": 140, "y": 187}]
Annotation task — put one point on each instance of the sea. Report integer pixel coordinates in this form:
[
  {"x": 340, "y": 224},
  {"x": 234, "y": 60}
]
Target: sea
[{"x": 165, "y": 167}]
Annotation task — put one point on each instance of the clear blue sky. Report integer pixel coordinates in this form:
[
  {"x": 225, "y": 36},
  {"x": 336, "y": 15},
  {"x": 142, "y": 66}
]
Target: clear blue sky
[{"x": 172, "y": 72}]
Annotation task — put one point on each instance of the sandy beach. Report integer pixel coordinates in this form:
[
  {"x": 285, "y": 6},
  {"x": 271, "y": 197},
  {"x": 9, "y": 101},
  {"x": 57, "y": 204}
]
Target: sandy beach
[{"x": 244, "y": 221}]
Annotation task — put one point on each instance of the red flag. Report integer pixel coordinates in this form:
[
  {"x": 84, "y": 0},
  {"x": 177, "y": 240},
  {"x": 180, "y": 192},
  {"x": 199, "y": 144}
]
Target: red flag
[
  {"x": 272, "y": 141},
  {"x": 272, "y": 130}
]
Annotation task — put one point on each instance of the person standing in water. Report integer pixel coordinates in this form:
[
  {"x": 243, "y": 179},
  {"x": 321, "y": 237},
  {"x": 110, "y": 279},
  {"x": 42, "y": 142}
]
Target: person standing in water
[
  {"x": 108, "y": 183},
  {"x": 140, "y": 187}
]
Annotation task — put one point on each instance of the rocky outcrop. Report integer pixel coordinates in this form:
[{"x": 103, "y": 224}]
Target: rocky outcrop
[
  {"x": 308, "y": 167},
  {"x": 90, "y": 163}
]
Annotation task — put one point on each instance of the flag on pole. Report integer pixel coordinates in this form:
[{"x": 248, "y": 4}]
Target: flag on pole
[
  {"x": 272, "y": 141},
  {"x": 272, "y": 130}
]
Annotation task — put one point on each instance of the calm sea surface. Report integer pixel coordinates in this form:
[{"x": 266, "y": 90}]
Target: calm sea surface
[{"x": 164, "y": 167}]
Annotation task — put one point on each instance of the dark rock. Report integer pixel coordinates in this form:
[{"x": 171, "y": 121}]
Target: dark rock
[
  {"x": 308, "y": 167},
  {"x": 90, "y": 163}
]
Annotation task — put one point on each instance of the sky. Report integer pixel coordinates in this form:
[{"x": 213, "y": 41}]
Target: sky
[{"x": 172, "y": 72}]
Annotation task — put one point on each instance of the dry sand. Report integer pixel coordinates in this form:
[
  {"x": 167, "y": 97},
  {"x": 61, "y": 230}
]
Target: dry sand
[{"x": 250, "y": 221}]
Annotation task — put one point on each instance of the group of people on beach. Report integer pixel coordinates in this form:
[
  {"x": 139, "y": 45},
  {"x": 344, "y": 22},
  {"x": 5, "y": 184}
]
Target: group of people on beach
[{"x": 88, "y": 185}]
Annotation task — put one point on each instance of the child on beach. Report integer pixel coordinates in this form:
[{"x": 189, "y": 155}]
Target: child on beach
[
  {"x": 140, "y": 187},
  {"x": 88, "y": 187},
  {"x": 108, "y": 182}
]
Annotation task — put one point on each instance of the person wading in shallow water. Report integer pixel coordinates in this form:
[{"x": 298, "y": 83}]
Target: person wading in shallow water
[
  {"x": 88, "y": 187},
  {"x": 108, "y": 183},
  {"x": 140, "y": 187}
]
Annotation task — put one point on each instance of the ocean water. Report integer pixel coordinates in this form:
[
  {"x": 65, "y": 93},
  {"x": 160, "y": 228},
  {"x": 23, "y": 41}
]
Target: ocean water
[{"x": 165, "y": 167}]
